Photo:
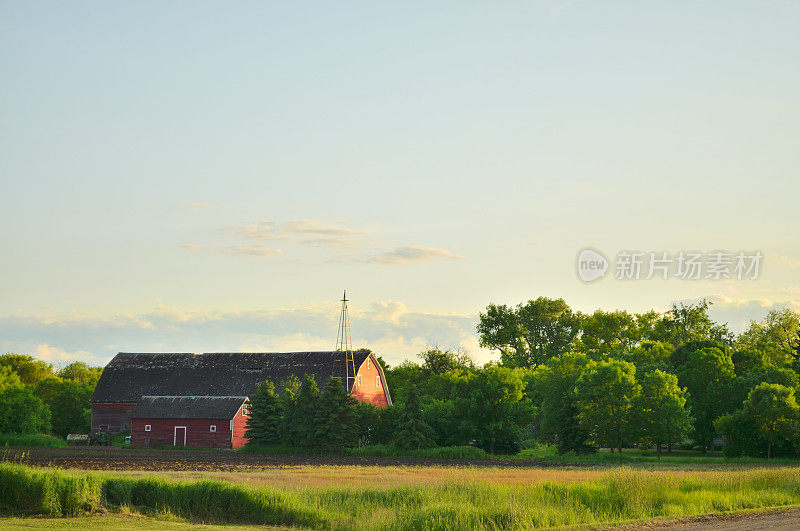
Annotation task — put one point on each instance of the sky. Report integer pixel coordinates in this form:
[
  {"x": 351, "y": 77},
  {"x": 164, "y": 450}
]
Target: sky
[{"x": 209, "y": 176}]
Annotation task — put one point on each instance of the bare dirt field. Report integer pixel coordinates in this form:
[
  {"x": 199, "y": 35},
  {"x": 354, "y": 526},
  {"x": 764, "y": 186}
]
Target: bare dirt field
[{"x": 114, "y": 458}]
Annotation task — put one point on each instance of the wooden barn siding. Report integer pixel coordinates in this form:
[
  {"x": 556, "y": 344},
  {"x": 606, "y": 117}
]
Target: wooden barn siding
[
  {"x": 367, "y": 390},
  {"x": 239, "y": 428},
  {"x": 116, "y": 416},
  {"x": 198, "y": 432}
]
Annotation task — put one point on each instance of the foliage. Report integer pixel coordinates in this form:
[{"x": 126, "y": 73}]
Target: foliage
[
  {"x": 336, "y": 422},
  {"x": 553, "y": 387},
  {"x": 620, "y": 496},
  {"x": 22, "y": 412},
  {"x": 412, "y": 432},
  {"x": 606, "y": 392},
  {"x": 531, "y": 333},
  {"x": 773, "y": 337},
  {"x": 439, "y": 361},
  {"x": 660, "y": 409},
  {"x": 8, "y": 379},
  {"x": 770, "y": 415},
  {"x": 263, "y": 424},
  {"x": 29, "y": 369},
  {"x": 81, "y": 373},
  {"x": 31, "y": 439},
  {"x": 492, "y": 408}
]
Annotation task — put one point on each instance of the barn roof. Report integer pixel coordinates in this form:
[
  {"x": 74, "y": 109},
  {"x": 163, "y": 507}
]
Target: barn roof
[
  {"x": 130, "y": 376},
  {"x": 188, "y": 407}
]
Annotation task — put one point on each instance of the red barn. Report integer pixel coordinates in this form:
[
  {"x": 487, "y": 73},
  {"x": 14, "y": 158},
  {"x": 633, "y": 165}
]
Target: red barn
[
  {"x": 171, "y": 379},
  {"x": 212, "y": 421}
]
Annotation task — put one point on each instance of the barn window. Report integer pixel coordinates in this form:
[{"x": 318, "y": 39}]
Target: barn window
[
  {"x": 213, "y": 428},
  {"x": 367, "y": 363},
  {"x": 245, "y": 410},
  {"x": 359, "y": 379},
  {"x": 147, "y": 427},
  {"x": 377, "y": 381}
]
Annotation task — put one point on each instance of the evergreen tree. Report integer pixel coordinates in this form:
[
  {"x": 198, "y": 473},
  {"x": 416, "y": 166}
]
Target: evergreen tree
[
  {"x": 263, "y": 425},
  {"x": 412, "y": 432},
  {"x": 301, "y": 417},
  {"x": 336, "y": 423},
  {"x": 287, "y": 399}
]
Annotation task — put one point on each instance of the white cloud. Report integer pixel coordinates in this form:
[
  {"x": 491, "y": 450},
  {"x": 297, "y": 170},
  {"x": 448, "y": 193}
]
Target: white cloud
[
  {"x": 248, "y": 250},
  {"x": 535, "y": 244},
  {"x": 388, "y": 327},
  {"x": 738, "y": 312},
  {"x": 303, "y": 232},
  {"x": 794, "y": 263},
  {"x": 411, "y": 253}
]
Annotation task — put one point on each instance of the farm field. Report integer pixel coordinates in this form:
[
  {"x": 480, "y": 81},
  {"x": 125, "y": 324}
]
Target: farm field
[{"x": 386, "y": 495}]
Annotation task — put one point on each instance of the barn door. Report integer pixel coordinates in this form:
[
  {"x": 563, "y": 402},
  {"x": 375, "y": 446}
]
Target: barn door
[{"x": 180, "y": 436}]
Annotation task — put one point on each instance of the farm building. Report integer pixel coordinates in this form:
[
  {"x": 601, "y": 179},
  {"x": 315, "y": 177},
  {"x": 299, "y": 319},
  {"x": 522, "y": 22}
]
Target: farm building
[
  {"x": 213, "y": 421},
  {"x": 191, "y": 386}
]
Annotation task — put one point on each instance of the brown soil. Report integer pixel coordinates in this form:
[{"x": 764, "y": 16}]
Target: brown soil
[{"x": 115, "y": 458}]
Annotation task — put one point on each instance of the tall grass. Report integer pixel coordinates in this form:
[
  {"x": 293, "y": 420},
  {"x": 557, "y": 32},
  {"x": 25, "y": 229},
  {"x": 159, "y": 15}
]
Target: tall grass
[
  {"x": 31, "y": 439},
  {"x": 377, "y": 450},
  {"x": 622, "y": 495}
]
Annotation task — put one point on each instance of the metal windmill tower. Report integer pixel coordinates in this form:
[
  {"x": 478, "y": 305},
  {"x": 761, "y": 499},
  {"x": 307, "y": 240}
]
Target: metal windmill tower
[{"x": 344, "y": 343}]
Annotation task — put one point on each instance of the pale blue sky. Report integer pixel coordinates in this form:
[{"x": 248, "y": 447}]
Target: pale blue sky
[{"x": 209, "y": 176}]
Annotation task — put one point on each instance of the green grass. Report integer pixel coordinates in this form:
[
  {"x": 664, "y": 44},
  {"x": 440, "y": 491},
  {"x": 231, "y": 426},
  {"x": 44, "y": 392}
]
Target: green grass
[
  {"x": 631, "y": 456},
  {"x": 377, "y": 450},
  {"x": 620, "y": 496},
  {"x": 31, "y": 439}
]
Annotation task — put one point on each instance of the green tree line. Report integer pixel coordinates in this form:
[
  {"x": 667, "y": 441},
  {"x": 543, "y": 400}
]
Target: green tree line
[{"x": 36, "y": 398}]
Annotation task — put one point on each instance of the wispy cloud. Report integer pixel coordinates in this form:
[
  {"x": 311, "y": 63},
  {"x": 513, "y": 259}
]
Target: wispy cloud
[
  {"x": 192, "y": 246},
  {"x": 304, "y": 232},
  {"x": 248, "y": 250},
  {"x": 194, "y": 207},
  {"x": 794, "y": 263},
  {"x": 535, "y": 244},
  {"x": 411, "y": 253},
  {"x": 389, "y": 327}
]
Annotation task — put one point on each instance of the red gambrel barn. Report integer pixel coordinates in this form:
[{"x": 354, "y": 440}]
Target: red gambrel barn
[{"x": 177, "y": 399}]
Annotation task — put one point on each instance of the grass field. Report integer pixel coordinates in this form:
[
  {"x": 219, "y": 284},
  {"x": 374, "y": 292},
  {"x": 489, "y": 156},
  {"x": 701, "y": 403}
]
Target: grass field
[{"x": 385, "y": 498}]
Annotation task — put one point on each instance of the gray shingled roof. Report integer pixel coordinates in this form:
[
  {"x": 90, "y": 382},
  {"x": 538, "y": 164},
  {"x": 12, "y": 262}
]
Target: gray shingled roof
[
  {"x": 188, "y": 407},
  {"x": 130, "y": 376}
]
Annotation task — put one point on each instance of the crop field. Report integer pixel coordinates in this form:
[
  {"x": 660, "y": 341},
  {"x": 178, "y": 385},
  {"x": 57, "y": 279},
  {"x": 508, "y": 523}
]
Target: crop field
[{"x": 186, "y": 488}]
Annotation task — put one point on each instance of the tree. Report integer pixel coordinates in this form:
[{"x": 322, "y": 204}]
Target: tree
[
  {"x": 768, "y": 420},
  {"x": 29, "y": 369},
  {"x": 23, "y": 412},
  {"x": 263, "y": 425},
  {"x": 412, "y": 433},
  {"x": 553, "y": 388},
  {"x": 303, "y": 414},
  {"x": 79, "y": 372},
  {"x": 660, "y": 409},
  {"x": 773, "y": 337},
  {"x": 492, "y": 408},
  {"x": 288, "y": 429},
  {"x": 691, "y": 322},
  {"x": 606, "y": 392},
  {"x": 531, "y": 333},
  {"x": 708, "y": 375},
  {"x": 71, "y": 408},
  {"x": 336, "y": 423},
  {"x": 774, "y": 411},
  {"x": 8, "y": 379},
  {"x": 608, "y": 334},
  {"x": 440, "y": 361}
]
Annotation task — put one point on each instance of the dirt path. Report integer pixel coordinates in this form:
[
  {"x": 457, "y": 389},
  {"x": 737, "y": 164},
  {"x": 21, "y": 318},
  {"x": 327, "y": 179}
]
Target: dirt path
[
  {"x": 782, "y": 520},
  {"x": 114, "y": 458}
]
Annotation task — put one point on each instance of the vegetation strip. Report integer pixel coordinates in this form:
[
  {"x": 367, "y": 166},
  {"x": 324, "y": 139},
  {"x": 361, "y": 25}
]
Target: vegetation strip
[{"x": 620, "y": 496}]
